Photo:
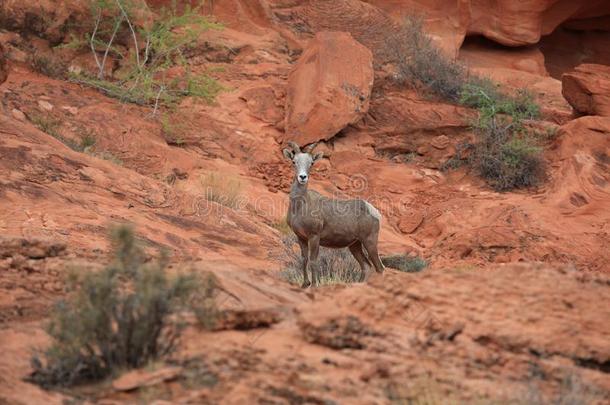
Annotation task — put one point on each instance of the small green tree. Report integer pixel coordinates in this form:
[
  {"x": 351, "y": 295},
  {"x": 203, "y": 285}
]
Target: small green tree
[
  {"x": 116, "y": 318},
  {"x": 154, "y": 48}
]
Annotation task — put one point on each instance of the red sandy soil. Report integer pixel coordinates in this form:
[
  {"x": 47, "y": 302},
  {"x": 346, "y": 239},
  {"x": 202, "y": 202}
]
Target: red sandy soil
[{"x": 515, "y": 300}]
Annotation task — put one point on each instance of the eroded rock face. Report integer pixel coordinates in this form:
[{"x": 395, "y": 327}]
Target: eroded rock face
[
  {"x": 587, "y": 89},
  {"x": 3, "y": 65},
  {"x": 329, "y": 88}
]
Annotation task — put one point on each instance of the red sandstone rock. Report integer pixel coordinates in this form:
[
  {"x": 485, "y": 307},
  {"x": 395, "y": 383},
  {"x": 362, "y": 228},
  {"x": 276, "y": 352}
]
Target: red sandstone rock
[
  {"x": 262, "y": 104},
  {"x": 410, "y": 222},
  {"x": 329, "y": 88},
  {"x": 587, "y": 89}
]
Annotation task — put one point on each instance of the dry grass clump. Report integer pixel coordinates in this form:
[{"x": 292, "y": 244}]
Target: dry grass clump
[
  {"x": 338, "y": 266},
  {"x": 52, "y": 126},
  {"x": 87, "y": 138},
  {"x": 122, "y": 316},
  {"x": 335, "y": 266},
  {"x": 224, "y": 189},
  {"x": 423, "y": 390},
  {"x": 48, "y": 65}
]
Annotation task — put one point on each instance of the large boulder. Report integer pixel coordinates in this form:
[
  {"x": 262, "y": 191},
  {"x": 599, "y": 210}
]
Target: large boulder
[
  {"x": 3, "y": 65},
  {"x": 587, "y": 89},
  {"x": 329, "y": 88}
]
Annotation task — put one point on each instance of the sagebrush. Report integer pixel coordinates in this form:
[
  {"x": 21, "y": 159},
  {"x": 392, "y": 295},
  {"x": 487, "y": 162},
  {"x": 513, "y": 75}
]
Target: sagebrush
[
  {"x": 120, "y": 317},
  {"x": 421, "y": 63},
  {"x": 408, "y": 264}
]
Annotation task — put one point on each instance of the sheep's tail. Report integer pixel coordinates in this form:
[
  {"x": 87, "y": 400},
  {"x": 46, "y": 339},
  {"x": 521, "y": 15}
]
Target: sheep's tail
[{"x": 373, "y": 211}]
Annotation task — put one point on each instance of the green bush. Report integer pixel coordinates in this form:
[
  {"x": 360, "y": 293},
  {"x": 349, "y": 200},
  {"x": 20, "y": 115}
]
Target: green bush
[
  {"x": 507, "y": 165},
  {"x": 223, "y": 188},
  {"x": 116, "y": 318},
  {"x": 485, "y": 96},
  {"x": 505, "y": 154}
]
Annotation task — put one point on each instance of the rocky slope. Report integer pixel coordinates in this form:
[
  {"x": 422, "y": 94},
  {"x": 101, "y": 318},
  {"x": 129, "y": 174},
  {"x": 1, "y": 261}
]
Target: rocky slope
[{"x": 512, "y": 306}]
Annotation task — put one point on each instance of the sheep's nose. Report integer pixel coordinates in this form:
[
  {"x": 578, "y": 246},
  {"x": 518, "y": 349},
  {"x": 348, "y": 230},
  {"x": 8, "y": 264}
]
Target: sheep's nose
[{"x": 302, "y": 176}]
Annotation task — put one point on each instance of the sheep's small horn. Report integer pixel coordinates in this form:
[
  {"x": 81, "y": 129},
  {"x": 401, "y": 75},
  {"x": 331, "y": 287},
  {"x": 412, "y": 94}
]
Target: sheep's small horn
[
  {"x": 294, "y": 147},
  {"x": 311, "y": 147}
]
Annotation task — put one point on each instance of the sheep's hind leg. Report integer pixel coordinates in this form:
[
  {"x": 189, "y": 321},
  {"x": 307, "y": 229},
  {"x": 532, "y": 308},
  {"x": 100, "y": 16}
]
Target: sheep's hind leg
[
  {"x": 305, "y": 255},
  {"x": 314, "y": 249},
  {"x": 356, "y": 249},
  {"x": 370, "y": 244}
]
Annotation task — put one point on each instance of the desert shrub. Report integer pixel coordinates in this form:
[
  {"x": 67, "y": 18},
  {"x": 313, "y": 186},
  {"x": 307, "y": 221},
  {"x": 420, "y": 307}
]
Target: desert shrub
[
  {"x": 405, "y": 263},
  {"x": 223, "y": 189},
  {"x": 335, "y": 266},
  {"x": 485, "y": 96},
  {"x": 116, "y": 318},
  {"x": 505, "y": 154},
  {"x": 571, "y": 391},
  {"x": 48, "y": 65},
  {"x": 162, "y": 45},
  {"x": 206, "y": 309},
  {"x": 422, "y": 63},
  {"x": 507, "y": 164}
]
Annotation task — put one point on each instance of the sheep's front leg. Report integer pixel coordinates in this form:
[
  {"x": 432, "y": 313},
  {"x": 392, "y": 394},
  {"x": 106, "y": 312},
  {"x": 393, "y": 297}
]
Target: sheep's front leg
[
  {"x": 305, "y": 255},
  {"x": 314, "y": 249}
]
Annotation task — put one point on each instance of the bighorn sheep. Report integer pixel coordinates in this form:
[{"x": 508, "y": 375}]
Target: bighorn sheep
[{"x": 320, "y": 221}]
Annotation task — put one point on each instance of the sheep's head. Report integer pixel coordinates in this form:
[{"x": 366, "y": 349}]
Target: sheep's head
[{"x": 302, "y": 160}]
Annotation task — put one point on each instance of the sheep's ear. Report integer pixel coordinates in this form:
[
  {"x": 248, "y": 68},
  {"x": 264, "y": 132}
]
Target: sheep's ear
[
  {"x": 318, "y": 156},
  {"x": 288, "y": 154}
]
